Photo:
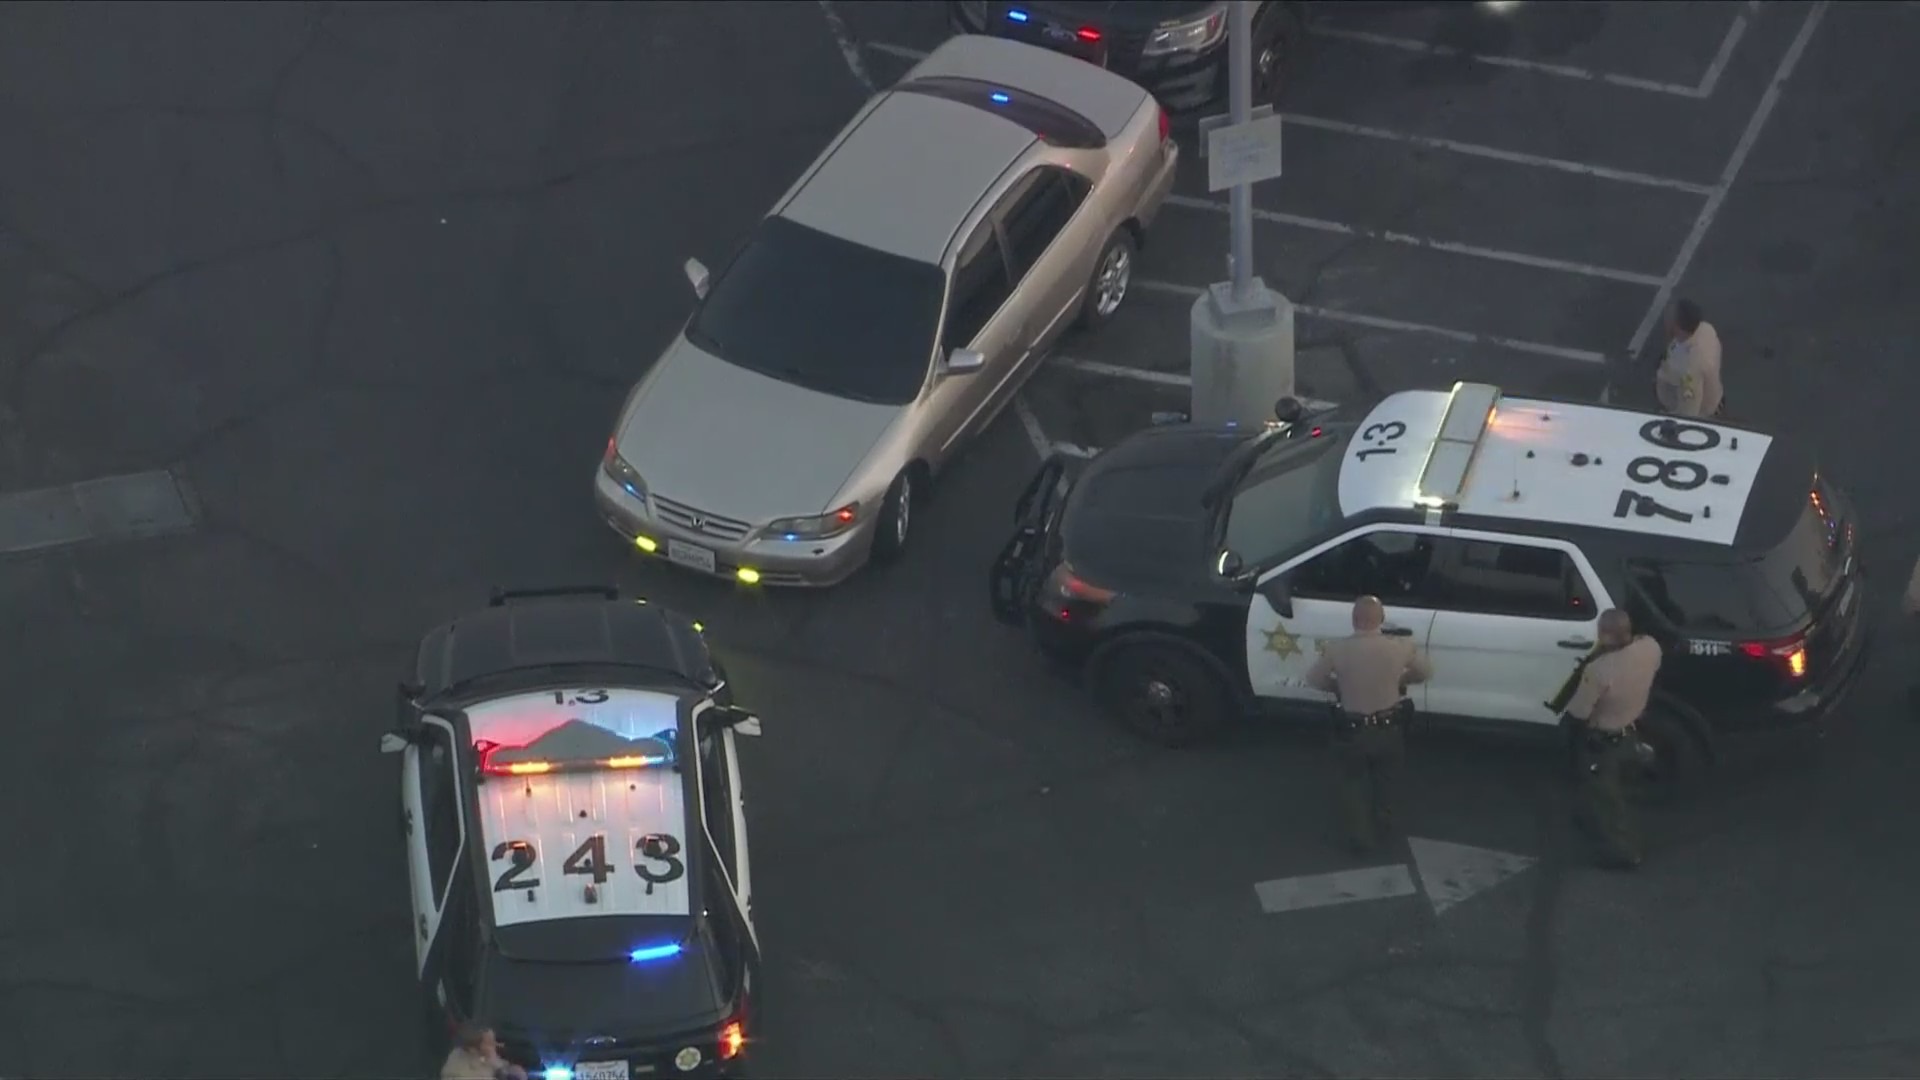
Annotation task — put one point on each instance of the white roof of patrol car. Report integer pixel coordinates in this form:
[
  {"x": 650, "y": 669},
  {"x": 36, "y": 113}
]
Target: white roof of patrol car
[
  {"x": 627, "y": 791},
  {"x": 1552, "y": 462}
]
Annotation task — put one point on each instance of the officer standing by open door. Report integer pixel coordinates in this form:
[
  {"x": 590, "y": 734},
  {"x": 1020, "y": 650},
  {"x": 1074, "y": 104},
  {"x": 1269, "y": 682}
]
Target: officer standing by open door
[
  {"x": 1369, "y": 672},
  {"x": 1613, "y": 693}
]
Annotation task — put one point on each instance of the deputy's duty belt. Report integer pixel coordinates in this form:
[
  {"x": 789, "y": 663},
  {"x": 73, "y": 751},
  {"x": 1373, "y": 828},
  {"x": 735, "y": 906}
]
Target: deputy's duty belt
[{"x": 1383, "y": 718}]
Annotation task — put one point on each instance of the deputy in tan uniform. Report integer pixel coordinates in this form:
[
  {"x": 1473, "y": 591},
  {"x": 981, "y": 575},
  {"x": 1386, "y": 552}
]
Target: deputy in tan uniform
[
  {"x": 476, "y": 1056},
  {"x": 1369, "y": 672},
  {"x": 1611, "y": 698},
  {"x": 1688, "y": 382}
]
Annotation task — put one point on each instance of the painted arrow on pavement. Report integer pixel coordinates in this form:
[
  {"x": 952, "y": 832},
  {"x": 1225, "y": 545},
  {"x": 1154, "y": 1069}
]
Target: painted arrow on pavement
[{"x": 1448, "y": 873}]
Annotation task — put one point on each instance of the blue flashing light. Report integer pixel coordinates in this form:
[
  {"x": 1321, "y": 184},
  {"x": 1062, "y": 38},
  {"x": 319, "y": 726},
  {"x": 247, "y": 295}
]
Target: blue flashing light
[
  {"x": 998, "y": 98},
  {"x": 790, "y": 536},
  {"x": 557, "y": 1072},
  {"x": 1017, "y": 15},
  {"x": 654, "y": 952}
]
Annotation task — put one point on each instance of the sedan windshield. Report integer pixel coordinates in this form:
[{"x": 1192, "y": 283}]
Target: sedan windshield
[
  {"x": 824, "y": 313},
  {"x": 1287, "y": 498}
]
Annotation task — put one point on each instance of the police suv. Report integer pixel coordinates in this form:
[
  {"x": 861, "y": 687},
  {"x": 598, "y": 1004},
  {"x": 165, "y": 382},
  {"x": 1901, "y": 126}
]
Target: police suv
[
  {"x": 1193, "y": 573},
  {"x": 575, "y": 836}
]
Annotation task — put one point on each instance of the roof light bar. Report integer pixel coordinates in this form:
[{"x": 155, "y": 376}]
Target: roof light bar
[
  {"x": 1470, "y": 408},
  {"x": 537, "y": 768}
]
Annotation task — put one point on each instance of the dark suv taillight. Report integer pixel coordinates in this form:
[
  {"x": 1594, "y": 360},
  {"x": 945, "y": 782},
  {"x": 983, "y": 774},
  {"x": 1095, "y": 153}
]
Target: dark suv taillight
[{"x": 1789, "y": 653}]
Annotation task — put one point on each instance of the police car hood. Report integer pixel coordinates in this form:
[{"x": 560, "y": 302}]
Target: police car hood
[
  {"x": 1135, "y": 517},
  {"x": 565, "y": 1002}
]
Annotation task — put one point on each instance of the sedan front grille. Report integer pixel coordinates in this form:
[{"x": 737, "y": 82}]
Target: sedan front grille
[{"x": 686, "y": 517}]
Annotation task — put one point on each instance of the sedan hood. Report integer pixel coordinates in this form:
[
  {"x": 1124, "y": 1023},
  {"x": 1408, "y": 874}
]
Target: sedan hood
[
  {"x": 739, "y": 444},
  {"x": 1134, "y": 516}
]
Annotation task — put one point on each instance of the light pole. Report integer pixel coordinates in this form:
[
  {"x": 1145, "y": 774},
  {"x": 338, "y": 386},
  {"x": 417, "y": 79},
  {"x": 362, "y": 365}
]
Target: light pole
[{"x": 1241, "y": 332}]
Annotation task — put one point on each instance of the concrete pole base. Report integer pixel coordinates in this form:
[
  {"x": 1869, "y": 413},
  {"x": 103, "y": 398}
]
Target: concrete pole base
[{"x": 1242, "y": 355}]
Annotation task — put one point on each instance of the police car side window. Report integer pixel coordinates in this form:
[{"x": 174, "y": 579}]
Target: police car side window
[
  {"x": 1522, "y": 580},
  {"x": 716, "y": 793},
  {"x": 440, "y": 805},
  {"x": 1390, "y": 565}
]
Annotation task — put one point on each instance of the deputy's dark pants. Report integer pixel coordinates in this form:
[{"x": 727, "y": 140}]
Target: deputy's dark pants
[
  {"x": 1369, "y": 757},
  {"x": 1602, "y": 765}
]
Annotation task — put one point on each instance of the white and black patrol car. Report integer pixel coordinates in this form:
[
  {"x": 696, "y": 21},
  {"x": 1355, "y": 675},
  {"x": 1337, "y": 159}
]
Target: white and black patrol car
[
  {"x": 1193, "y": 572},
  {"x": 575, "y": 837}
]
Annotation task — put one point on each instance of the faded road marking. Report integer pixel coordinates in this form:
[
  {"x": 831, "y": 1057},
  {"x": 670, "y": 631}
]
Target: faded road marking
[
  {"x": 111, "y": 508},
  {"x": 1340, "y": 887}
]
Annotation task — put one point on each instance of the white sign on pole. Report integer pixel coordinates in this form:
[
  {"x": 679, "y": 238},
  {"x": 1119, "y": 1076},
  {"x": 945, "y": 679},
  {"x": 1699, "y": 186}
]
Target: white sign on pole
[
  {"x": 1243, "y": 153},
  {"x": 1219, "y": 120}
]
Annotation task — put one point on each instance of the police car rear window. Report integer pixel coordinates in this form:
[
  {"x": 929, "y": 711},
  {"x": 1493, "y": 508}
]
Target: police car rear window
[{"x": 1775, "y": 593}]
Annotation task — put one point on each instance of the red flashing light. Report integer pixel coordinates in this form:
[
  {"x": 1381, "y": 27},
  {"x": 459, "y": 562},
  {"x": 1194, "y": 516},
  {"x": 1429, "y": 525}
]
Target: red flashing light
[
  {"x": 733, "y": 1039},
  {"x": 1088, "y": 34},
  {"x": 844, "y": 515},
  {"x": 1314, "y": 434}
]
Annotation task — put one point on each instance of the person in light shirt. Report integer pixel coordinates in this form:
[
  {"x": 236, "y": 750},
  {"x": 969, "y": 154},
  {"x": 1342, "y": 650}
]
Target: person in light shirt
[
  {"x": 1688, "y": 382},
  {"x": 476, "y": 1056}
]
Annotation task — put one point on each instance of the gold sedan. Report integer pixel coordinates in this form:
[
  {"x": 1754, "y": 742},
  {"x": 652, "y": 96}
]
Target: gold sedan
[{"x": 893, "y": 302}]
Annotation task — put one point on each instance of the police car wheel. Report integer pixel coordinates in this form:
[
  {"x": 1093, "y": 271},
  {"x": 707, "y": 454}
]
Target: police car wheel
[
  {"x": 1161, "y": 693},
  {"x": 1677, "y": 752}
]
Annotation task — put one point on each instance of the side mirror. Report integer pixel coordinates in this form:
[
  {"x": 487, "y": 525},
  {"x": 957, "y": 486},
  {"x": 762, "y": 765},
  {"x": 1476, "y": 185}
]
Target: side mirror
[
  {"x": 964, "y": 361},
  {"x": 1276, "y": 593},
  {"x": 732, "y": 716},
  {"x": 393, "y": 742},
  {"x": 698, "y": 277}
]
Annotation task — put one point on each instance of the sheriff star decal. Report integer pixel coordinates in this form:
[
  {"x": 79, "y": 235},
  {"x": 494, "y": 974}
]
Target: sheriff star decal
[{"x": 1282, "y": 643}]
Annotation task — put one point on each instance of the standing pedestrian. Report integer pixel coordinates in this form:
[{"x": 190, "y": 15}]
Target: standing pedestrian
[
  {"x": 1688, "y": 382},
  {"x": 476, "y": 1056},
  {"x": 1369, "y": 672},
  {"x": 1612, "y": 696}
]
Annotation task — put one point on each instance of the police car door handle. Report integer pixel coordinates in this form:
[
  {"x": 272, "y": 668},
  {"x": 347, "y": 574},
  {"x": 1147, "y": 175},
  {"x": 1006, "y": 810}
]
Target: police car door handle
[
  {"x": 1576, "y": 643},
  {"x": 1396, "y": 631}
]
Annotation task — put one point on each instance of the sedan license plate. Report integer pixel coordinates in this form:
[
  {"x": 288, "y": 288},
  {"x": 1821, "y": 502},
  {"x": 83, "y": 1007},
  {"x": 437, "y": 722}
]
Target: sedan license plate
[
  {"x": 600, "y": 1070},
  {"x": 692, "y": 555}
]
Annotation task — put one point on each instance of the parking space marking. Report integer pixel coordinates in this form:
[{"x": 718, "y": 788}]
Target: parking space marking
[
  {"x": 900, "y": 51},
  {"x": 1340, "y": 887},
  {"x": 134, "y": 506},
  {"x": 1375, "y": 322},
  {"x": 849, "y": 48},
  {"x": 1494, "y": 153},
  {"x": 1042, "y": 445},
  {"x": 1728, "y": 175},
  {"x": 1452, "y": 247},
  {"x": 1702, "y": 89}
]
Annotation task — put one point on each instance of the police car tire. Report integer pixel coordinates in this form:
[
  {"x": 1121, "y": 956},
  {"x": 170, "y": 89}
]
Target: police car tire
[
  {"x": 1679, "y": 738},
  {"x": 1116, "y": 674}
]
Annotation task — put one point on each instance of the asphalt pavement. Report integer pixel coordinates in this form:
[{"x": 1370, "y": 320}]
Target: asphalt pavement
[{"x": 357, "y": 290}]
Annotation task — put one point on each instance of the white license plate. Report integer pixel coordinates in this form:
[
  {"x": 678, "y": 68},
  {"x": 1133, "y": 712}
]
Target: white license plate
[
  {"x": 600, "y": 1070},
  {"x": 692, "y": 555}
]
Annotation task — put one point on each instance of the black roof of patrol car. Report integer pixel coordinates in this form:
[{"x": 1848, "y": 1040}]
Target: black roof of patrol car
[{"x": 553, "y": 631}]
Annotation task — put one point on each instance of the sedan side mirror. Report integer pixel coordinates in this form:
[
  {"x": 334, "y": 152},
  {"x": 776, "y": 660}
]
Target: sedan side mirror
[
  {"x": 1276, "y": 593},
  {"x": 698, "y": 277},
  {"x": 965, "y": 361}
]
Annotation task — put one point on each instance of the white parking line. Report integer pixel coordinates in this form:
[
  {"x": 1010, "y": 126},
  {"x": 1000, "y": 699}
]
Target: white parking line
[
  {"x": 1727, "y": 176},
  {"x": 1374, "y": 322},
  {"x": 1415, "y": 45},
  {"x": 900, "y": 51},
  {"x": 1720, "y": 58},
  {"x": 1037, "y": 435},
  {"x": 1538, "y": 262},
  {"x": 1145, "y": 375},
  {"x": 1494, "y": 153},
  {"x": 849, "y": 48}
]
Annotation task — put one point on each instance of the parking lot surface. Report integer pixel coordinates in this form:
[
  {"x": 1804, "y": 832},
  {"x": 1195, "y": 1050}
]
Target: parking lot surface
[{"x": 357, "y": 291}]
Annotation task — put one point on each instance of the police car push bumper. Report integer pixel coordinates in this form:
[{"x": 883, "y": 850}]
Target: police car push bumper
[{"x": 759, "y": 558}]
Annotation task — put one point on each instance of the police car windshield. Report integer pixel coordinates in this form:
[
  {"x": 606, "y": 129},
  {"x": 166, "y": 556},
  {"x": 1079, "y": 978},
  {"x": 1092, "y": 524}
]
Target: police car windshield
[{"x": 1287, "y": 497}]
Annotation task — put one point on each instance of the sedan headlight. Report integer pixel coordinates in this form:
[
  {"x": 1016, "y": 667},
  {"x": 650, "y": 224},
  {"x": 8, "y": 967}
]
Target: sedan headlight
[
  {"x": 1194, "y": 35},
  {"x": 818, "y": 527},
  {"x": 620, "y": 472}
]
